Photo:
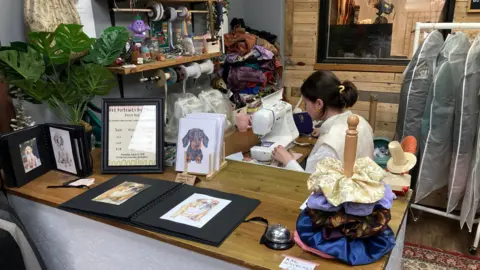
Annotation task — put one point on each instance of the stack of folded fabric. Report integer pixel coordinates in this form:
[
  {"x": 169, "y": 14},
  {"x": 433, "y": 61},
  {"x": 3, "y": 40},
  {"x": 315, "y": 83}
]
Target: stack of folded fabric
[
  {"x": 347, "y": 217},
  {"x": 252, "y": 65}
]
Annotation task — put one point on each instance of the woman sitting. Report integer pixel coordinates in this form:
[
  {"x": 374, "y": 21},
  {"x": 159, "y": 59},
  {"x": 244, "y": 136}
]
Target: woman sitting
[{"x": 326, "y": 98}]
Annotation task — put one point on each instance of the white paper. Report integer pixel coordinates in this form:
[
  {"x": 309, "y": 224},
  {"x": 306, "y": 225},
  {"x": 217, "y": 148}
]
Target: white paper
[
  {"x": 143, "y": 138},
  {"x": 85, "y": 11},
  {"x": 237, "y": 156},
  {"x": 197, "y": 210},
  {"x": 83, "y": 182},
  {"x": 62, "y": 150},
  {"x": 292, "y": 263}
]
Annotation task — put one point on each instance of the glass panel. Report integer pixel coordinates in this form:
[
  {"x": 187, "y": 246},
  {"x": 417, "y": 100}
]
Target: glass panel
[{"x": 377, "y": 29}]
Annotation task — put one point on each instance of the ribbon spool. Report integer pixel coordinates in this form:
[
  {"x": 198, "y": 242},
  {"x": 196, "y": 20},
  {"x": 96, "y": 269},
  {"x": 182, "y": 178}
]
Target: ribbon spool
[
  {"x": 157, "y": 12},
  {"x": 161, "y": 78},
  {"x": 207, "y": 67},
  {"x": 192, "y": 71},
  {"x": 171, "y": 76},
  {"x": 173, "y": 16},
  {"x": 186, "y": 15}
]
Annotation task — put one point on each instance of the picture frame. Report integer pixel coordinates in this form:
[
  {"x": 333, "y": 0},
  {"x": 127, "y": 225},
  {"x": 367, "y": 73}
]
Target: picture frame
[
  {"x": 473, "y": 6},
  {"x": 132, "y": 135}
]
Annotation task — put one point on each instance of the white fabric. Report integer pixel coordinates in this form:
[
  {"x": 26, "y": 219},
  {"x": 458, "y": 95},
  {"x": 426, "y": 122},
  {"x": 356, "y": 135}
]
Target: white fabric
[{"x": 331, "y": 142}]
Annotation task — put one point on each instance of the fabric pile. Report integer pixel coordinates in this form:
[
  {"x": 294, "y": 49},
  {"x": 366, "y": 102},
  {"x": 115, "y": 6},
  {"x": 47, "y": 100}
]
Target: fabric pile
[
  {"x": 252, "y": 65},
  {"x": 346, "y": 218}
]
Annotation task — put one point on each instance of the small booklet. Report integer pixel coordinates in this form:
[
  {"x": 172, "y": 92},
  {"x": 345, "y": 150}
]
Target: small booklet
[
  {"x": 198, "y": 214},
  {"x": 31, "y": 152}
]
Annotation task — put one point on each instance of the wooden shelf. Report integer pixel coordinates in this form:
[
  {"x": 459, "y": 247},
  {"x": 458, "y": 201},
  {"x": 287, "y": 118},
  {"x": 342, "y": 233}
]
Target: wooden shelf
[{"x": 163, "y": 64}]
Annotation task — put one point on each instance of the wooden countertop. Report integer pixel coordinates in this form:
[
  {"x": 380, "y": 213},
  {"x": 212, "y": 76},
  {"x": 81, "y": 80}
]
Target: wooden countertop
[{"x": 281, "y": 193}]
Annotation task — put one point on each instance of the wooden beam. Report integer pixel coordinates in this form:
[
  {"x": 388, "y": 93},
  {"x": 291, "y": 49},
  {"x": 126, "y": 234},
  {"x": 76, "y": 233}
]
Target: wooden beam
[
  {"x": 288, "y": 27},
  {"x": 360, "y": 67}
]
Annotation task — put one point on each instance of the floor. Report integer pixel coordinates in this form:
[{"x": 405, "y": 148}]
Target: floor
[{"x": 439, "y": 232}]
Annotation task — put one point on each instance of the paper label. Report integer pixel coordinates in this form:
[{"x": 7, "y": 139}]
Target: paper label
[
  {"x": 292, "y": 263},
  {"x": 83, "y": 182},
  {"x": 187, "y": 179}
]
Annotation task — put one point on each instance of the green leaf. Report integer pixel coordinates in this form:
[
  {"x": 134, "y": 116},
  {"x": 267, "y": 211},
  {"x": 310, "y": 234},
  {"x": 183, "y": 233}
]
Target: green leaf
[
  {"x": 108, "y": 47},
  {"x": 29, "y": 65},
  {"x": 44, "y": 42},
  {"x": 67, "y": 95},
  {"x": 92, "y": 80},
  {"x": 71, "y": 38},
  {"x": 39, "y": 90},
  {"x": 15, "y": 91}
]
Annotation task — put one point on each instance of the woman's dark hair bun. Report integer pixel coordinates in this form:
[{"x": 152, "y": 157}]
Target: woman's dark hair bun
[{"x": 350, "y": 94}]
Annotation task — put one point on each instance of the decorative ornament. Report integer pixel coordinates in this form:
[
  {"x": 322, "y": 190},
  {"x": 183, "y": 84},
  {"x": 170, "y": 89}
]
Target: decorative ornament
[{"x": 22, "y": 120}]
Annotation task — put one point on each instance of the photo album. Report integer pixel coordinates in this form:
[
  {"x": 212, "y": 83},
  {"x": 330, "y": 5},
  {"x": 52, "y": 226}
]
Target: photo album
[
  {"x": 200, "y": 142},
  {"x": 31, "y": 152},
  {"x": 197, "y": 214}
]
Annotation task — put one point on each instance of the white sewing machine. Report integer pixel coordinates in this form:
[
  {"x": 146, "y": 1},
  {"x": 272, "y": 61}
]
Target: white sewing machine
[{"x": 275, "y": 125}]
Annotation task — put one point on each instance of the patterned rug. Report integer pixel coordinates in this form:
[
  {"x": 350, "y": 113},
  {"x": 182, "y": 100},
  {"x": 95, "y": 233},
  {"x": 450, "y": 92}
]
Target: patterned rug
[{"x": 416, "y": 257}]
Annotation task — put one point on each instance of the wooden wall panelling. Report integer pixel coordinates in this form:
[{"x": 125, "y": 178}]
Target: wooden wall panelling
[{"x": 288, "y": 39}]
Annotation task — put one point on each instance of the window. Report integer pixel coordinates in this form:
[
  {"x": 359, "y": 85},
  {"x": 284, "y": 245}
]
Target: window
[{"x": 374, "y": 31}]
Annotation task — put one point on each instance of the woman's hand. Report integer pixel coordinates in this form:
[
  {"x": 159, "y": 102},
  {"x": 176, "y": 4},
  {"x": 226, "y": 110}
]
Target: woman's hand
[
  {"x": 282, "y": 155},
  {"x": 316, "y": 132}
]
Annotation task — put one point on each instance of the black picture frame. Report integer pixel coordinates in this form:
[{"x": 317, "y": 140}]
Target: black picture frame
[{"x": 132, "y": 169}]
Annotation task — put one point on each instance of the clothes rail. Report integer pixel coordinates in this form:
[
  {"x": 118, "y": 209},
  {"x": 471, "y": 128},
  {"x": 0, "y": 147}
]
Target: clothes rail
[{"x": 418, "y": 27}]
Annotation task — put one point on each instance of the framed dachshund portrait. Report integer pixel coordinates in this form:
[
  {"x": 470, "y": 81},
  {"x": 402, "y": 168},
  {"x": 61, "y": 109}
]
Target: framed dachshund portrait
[
  {"x": 132, "y": 135},
  {"x": 197, "y": 142}
]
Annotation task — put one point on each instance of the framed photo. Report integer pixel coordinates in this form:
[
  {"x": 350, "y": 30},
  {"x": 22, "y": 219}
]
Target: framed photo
[{"x": 132, "y": 135}]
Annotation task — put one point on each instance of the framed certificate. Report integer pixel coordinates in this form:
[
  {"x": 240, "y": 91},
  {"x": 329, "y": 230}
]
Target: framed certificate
[{"x": 132, "y": 135}]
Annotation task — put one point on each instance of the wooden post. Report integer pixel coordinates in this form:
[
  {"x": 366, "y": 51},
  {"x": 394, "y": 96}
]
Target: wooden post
[
  {"x": 185, "y": 165},
  {"x": 372, "y": 112},
  {"x": 350, "y": 151}
]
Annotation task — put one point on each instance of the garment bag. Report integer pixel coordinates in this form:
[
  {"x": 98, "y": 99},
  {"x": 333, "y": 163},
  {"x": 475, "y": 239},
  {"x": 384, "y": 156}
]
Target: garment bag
[
  {"x": 414, "y": 92},
  {"x": 465, "y": 127},
  {"x": 471, "y": 199},
  {"x": 437, "y": 124}
]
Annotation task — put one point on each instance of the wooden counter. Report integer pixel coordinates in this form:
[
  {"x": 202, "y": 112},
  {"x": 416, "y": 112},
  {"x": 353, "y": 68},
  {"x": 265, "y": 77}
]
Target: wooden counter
[{"x": 281, "y": 193}]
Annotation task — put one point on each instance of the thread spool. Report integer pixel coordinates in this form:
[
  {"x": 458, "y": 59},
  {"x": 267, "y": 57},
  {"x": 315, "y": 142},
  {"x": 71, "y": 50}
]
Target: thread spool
[
  {"x": 157, "y": 11},
  {"x": 173, "y": 17},
  {"x": 207, "y": 67}
]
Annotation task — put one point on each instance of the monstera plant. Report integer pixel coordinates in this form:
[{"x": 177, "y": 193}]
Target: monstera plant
[{"x": 64, "y": 69}]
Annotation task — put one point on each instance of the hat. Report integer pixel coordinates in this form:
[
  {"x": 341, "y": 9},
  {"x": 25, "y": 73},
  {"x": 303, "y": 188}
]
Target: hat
[{"x": 401, "y": 161}]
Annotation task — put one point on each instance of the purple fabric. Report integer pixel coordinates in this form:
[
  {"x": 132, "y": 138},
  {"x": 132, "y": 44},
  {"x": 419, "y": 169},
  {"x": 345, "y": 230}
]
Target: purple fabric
[
  {"x": 261, "y": 53},
  {"x": 232, "y": 57},
  {"x": 319, "y": 202},
  {"x": 239, "y": 77}
]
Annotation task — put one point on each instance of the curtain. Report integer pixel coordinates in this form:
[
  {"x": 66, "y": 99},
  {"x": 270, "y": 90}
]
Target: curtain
[{"x": 46, "y": 15}]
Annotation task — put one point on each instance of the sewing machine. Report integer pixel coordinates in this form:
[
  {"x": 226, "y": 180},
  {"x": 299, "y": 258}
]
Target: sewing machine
[{"x": 275, "y": 126}]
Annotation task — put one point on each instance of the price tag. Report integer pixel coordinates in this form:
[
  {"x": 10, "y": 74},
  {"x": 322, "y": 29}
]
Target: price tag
[
  {"x": 292, "y": 263},
  {"x": 187, "y": 179}
]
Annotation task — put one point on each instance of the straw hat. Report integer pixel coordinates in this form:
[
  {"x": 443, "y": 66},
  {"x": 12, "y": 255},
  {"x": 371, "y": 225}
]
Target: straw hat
[{"x": 401, "y": 161}]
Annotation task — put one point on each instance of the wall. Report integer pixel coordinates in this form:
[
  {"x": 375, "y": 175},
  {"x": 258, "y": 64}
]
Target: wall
[{"x": 301, "y": 24}]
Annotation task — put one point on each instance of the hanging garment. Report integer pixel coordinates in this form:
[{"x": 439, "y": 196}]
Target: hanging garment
[
  {"x": 438, "y": 121},
  {"x": 471, "y": 199},
  {"x": 46, "y": 15},
  {"x": 414, "y": 92},
  {"x": 358, "y": 251},
  {"x": 465, "y": 128}
]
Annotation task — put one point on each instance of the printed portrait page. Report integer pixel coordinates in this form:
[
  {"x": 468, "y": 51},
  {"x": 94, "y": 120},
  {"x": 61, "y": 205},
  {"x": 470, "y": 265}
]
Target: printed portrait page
[
  {"x": 132, "y": 135},
  {"x": 197, "y": 210},
  {"x": 62, "y": 150}
]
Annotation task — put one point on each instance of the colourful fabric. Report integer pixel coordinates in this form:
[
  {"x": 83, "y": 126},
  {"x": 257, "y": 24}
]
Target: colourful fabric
[
  {"x": 261, "y": 53},
  {"x": 350, "y": 225},
  {"x": 302, "y": 245},
  {"x": 363, "y": 187},
  {"x": 239, "y": 42},
  {"x": 358, "y": 251},
  {"x": 318, "y": 201},
  {"x": 267, "y": 45}
]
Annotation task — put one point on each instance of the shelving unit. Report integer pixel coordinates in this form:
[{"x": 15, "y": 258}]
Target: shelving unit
[{"x": 163, "y": 64}]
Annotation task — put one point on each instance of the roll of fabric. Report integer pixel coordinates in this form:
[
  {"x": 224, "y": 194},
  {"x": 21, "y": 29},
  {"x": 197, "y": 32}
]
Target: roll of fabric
[{"x": 157, "y": 11}]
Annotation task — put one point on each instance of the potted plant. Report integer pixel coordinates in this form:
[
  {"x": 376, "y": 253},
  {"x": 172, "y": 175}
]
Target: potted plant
[{"x": 64, "y": 69}]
